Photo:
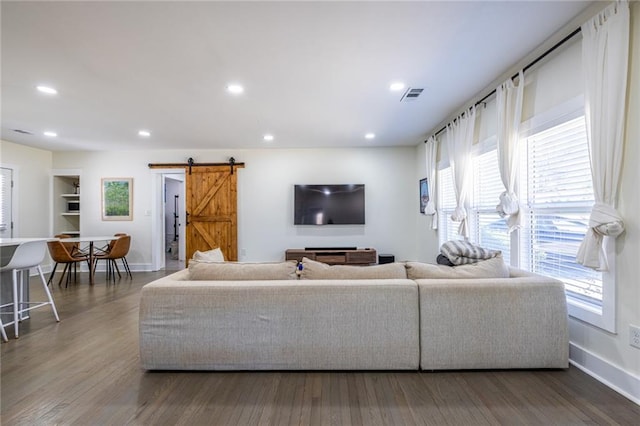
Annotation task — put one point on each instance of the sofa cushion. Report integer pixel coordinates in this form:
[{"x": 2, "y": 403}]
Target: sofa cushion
[
  {"x": 232, "y": 271},
  {"x": 491, "y": 268},
  {"x": 214, "y": 255},
  {"x": 313, "y": 270}
]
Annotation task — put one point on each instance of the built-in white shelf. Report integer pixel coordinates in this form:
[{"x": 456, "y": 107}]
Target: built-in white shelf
[{"x": 66, "y": 202}]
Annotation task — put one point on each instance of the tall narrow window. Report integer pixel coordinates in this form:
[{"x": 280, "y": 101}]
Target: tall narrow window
[
  {"x": 5, "y": 202},
  {"x": 490, "y": 230},
  {"x": 487, "y": 228},
  {"x": 559, "y": 198},
  {"x": 447, "y": 228}
]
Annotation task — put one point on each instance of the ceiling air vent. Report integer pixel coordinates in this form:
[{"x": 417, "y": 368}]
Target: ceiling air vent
[
  {"x": 411, "y": 94},
  {"x": 24, "y": 132}
]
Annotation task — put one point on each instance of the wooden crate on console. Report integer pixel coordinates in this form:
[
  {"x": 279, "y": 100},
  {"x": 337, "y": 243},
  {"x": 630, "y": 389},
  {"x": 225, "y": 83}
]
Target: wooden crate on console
[{"x": 335, "y": 256}]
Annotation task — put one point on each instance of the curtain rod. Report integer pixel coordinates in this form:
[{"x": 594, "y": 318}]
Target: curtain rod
[{"x": 528, "y": 66}]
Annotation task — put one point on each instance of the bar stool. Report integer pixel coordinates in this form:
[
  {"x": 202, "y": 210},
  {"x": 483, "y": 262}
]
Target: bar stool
[{"x": 27, "y": 255}]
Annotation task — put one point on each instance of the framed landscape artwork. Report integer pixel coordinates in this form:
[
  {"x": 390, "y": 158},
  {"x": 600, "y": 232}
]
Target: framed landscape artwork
[
  {"x": 424, "y": 194},
  {"x": 117, "y": 198}
]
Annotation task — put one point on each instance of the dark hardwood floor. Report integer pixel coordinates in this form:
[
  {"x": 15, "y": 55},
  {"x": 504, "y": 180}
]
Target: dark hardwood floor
[{"x": 85, "y": 371}]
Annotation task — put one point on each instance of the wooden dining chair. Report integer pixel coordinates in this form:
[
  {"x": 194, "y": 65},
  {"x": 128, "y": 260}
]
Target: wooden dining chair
[
  {"x": 118, "y": 249},
  {"x": 72, "y": 248},
  {"x": 106, "y": 248},
  {"x": 59, "y": 254}
]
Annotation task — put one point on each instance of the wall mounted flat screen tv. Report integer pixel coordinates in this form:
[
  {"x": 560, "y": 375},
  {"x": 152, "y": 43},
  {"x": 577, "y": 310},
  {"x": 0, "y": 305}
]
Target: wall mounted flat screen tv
[{"x": 329, "y": 204}]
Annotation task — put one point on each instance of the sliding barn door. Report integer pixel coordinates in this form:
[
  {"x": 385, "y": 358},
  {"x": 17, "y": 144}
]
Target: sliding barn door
[{"x": 211, "y": 204}]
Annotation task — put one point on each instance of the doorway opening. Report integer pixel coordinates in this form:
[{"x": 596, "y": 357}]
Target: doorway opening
[{"x": 174, "y": 213}]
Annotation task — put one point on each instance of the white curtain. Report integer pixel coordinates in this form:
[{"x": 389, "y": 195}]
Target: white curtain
[
  {"x": 459, "y": 137},
  {"x": 430, "y": 159},
  {"x": 605, "y": 56},
  {"x": 509, "y": 106}
]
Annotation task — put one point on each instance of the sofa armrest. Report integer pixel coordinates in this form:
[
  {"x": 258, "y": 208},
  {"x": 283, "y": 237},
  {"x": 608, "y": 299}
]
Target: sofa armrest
[{"x": 521, "y": 273}]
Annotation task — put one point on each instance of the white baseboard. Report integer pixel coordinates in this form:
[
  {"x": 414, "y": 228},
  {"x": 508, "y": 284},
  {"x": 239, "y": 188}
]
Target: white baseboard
[
  {"x": 614, "y": 377},
  {"x": 135, "y": 267}
]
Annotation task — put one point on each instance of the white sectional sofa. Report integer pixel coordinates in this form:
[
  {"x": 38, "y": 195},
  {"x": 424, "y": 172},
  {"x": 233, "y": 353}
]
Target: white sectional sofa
[{"x": 212, "y": 316}]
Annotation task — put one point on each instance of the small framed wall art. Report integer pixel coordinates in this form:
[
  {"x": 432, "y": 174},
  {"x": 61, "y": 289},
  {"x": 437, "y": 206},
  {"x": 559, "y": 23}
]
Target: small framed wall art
[
  {"x": 424, "y": 194},
  {"x": 117, "y": 198}
]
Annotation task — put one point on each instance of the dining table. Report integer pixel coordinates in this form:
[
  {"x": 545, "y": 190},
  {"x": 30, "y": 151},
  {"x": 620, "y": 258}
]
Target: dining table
[{"x": 92, "y": 249}]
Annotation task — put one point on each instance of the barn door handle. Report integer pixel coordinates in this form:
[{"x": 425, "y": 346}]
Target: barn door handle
[{"x": 187, "y": 217}]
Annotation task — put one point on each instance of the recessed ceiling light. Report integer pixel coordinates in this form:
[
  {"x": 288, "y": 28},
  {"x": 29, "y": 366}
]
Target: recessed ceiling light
[
  {"x": 396, "y": 86},
  {"x": 236, "y": 89},
  {"x": 370, "y": 136},
  {"x": 50, "y": 134},
  {"x": 144, "y": 133},
  {"x": 268, "y": 138},
  {"x": 48, "y": 90}
]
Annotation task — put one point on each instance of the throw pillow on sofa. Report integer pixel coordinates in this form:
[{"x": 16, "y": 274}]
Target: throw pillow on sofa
[
  {"x": 214, "y": 255},
  {"x": 312, "y": 270},
  {"x": 235, "y": 271},
  {"x": 491, "y": 268}
]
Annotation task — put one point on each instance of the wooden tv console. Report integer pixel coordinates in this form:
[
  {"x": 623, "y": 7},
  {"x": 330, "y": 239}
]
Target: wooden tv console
[{"x": 335, "y": 256}]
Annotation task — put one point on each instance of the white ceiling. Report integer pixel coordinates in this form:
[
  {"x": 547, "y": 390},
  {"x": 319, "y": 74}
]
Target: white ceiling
[{"x": 316, "y": 74}]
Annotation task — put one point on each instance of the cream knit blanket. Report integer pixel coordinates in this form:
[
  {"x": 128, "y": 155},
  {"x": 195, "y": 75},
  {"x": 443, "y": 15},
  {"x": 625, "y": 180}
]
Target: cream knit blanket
[{"x": 461, "y": 252}]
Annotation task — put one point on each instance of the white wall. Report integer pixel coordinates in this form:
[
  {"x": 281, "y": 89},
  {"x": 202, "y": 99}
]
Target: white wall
[
  {"x": 266, "y": 202},
  {"x": 265, "y": 197},
  {"x": 427, "y": 238},
  {"x": 559, "y": 81},
  {"x": 97, "y": 165},
  {"x": 32, "y": 193},
  {"x": 599, "y": 345}
]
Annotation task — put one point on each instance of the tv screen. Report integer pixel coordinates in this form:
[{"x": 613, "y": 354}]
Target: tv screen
[{"x": 329, "y": 205}]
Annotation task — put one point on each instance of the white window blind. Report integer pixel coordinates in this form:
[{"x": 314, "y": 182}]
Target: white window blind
[
  {"x": 447, "y": 229},
  {"x": 490, "y": 230},
  {"x": 559, "y": 194},
  {"x": 5, "y": 202},
  {"x": 556, "y": 197}
]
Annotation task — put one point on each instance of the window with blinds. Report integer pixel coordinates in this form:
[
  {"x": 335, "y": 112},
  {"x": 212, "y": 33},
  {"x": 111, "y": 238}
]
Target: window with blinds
[
  {"x": 556, "y": 179},
  {"x": 490, "y": 230},
  {"x": 487, "y": 228},
  {"x": 5, "y": 202},
  {"x": 448, "y": 229},
  {"x": 556, "y": 197}
]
